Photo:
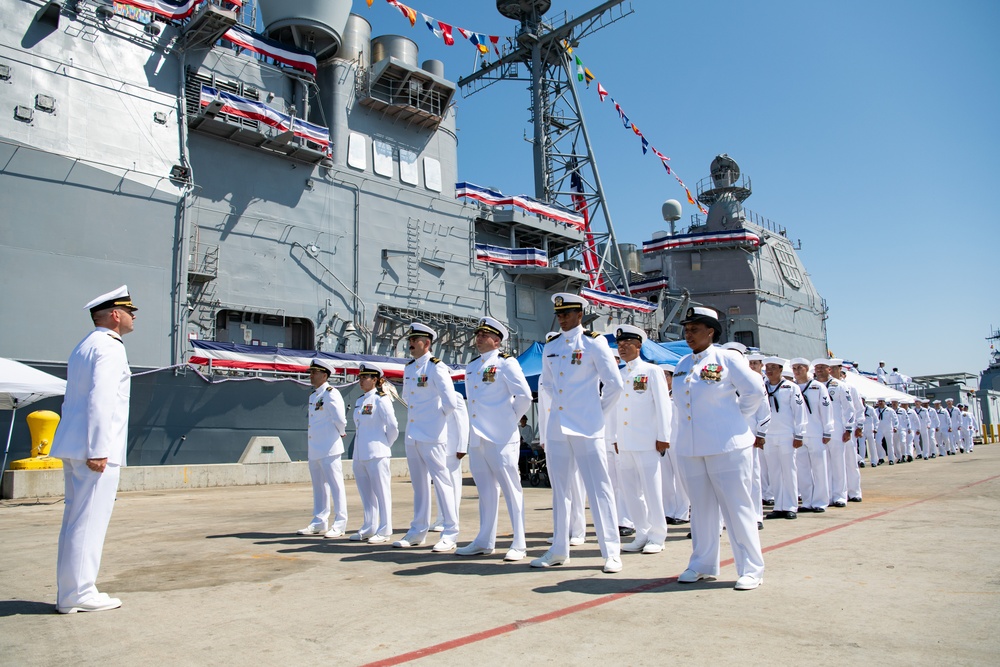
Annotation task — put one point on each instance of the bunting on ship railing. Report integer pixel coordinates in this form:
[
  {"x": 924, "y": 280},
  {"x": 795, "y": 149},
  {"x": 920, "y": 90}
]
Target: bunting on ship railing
[
  {"x": 497, "y": 198},
  {"x": 617, "y": 300},
  {"x": 648, "y": 286},
  {"x": 235, "y": 105},
  {"x": 446, "y": 31},
  {"x": 171, "y": 9},
  {"x": 511, "y": 256},
  {"x": 735, "y": 237},
  {"x": 289, "y": 55}
]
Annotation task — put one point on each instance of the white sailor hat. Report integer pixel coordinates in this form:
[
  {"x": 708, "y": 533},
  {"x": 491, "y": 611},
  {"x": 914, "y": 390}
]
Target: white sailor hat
[
  {"x": 949, "y": 400},
  {"x": 937, "y": 400},
  {"x": 775, "y": 360},
  {"x": 733, "y": 345},
  {"x": 786, "y": 372},
  {"x": 114, "y": 298},
  {"x": 630, "y": 332},
  {"x": 490, "y": 325},
  {"x": 756, "y": 356},
  {"x": 819, "y": 362},
  {"x": 799, "y": 361},
  {"x": 566, "y": 301},
  {"x": 418, "y": 330},
  {"x": 324, "y": 365},
  {"x": 370, "y": 370},
  {"x": 835, "y": 362}
]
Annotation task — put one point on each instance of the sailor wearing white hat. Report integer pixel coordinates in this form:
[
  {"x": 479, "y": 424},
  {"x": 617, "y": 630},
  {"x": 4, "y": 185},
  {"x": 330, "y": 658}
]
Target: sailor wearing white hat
[
  {"x": 641, "y": 435},
  {"x": 812, "y": 459},
  {"x": 955, "y": 422},
  {"x": 785, "y": 435},
  {"x": 888, "y": 422},
  {"x": 431, "y": 398},
  {"x": 944, "y": 426},
  {"x": 913, "y": 429},
  {"x": 327, "y": 427},
  {"x": 851, "y": 457},
  {"x": 717, "y": 395},
  {"x": 868, "y": 445},
  {"x": 377, "y": 429},
  {"x": 926, "y": 429},
  {"x": 499, "y": 396},
  {"x": 91, "y": 442},
  {"x": 841, "y": 447},
  {"x": 574, "y": 364},
  {"x": 881, "y": 374},
  {"x": 969, "y": 427},
  {"x": 899, "y": 436}
]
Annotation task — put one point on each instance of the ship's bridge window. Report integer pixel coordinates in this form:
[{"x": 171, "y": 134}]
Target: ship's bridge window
[
  {"x": 787, "y": 265},
  {"x": 245, "y": 327}
]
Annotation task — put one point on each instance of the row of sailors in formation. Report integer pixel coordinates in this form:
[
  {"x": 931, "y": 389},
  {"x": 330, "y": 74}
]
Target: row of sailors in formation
[{"x": 607, "y": 434}]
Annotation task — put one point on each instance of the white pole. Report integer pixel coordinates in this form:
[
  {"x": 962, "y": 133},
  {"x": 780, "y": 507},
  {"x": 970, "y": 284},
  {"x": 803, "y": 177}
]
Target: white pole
[{"x": 10, "y": 432}]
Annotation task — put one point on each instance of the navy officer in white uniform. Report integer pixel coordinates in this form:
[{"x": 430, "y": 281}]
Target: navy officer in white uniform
[
  {"x": 327, "y": 427},
  {"x": 574, "y": 365},
  {"x": 377, "y": 429},
  {"x": 431, "y": 398},
  {"x": 716, "y": 396},
  {"x": 91, "y": 441},
  {"x": 499, "y": 396}
]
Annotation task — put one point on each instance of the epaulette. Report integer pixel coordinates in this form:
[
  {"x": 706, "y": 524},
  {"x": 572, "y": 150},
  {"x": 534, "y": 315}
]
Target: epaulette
[
  {"x": 476, "y": 358},
  {"x": 591, "y": 334},
  {"x": 504, "y": 355},
  {"x": 380, "y": 392},
  {"x": 410, "y": 362},
  {"x": 435, "y": 360},
  {"x": 552, "y": 337},
  {"x": 329, "y": 388},
  {"x": 116, "y": 338}
]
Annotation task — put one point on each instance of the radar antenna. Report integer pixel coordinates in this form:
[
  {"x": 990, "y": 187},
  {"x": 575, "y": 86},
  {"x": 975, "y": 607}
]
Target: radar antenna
[{"x": 564, "y": 162}]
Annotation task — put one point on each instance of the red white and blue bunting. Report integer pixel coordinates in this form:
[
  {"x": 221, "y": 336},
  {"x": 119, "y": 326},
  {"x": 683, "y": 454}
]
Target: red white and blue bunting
[
  {"x": 511, "y": 256},
  {"x": 283, "y": 53},
  {"x": 496, "y": 198},
  {"x": 254, "y": 110},
  {"x": 619, "y": 301},
  {"x": 732, "y": 237}
]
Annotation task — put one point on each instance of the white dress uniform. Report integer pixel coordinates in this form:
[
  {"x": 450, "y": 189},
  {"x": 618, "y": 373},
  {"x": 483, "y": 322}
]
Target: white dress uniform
[
  {"x": 458, "y": 441},
  {"x": 944, "y": 432},
  {"x": 716, "y": 395},
  {"x": 327, "y": 425},
  {"x": 578, "y": 494},
  {"x": 868, "y": 435},
  {"x": 888, "y": 422},
  {"x": 761, "y": 422},
  {"x": 913, "y": 420},
  {"x": 499, "y": 396},
  {"x": 377, "y": 429},
  {"x": 900, "y": 435},
  {"x": 955, "y": 417},
  {"x": 928, "y": 428},
  {"x": 852, "y": 456},
  {"x": 643, "y": 417},
  {"x": 94, "y": 425},
  {"x": 788, "y": 422},
  {"x": 842, "y": 454},
  {"x": 574, "y": 363},
  {"x": 813, "y": 457},
  {"x": 624, "y": 519},
  {"x": 430, "y": 396}
]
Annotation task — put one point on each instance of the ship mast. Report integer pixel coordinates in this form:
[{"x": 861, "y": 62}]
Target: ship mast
[{"x": 564, "y": 163}]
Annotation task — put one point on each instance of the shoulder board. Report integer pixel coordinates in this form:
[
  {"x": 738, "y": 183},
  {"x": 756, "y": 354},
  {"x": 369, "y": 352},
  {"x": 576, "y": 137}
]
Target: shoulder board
[
  {"x": 410, "y": 362},
  {"x": 504, "y": 355},
  {"x": 552, "y": 338},
  {"x": 380, "y": 392},
  {"x": 116, "y": 338},
  {"x": 329, "y": 388},
  {"x": 591, "y": 334},
  {"x": 476, "y": 358},
  {"x": 435, "y": 360}
]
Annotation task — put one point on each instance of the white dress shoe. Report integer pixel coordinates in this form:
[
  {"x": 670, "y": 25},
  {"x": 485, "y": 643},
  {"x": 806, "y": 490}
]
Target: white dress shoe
[
  {"x": 101, "y": 603},
  {"x": 748, "y": 582},
  {"x": 652, "y": 548},
  {"x": 334, "y": 532},
  {"x": 436, "y": 528},
  {"x": 378, "y": 539},
  {"x": 613, "y": 565},
  {"x": 360, "y": 537},
  {"x": 577, "y": 541},
  {"x": 690, "y": 576},
  {"x": 444, "y": 546},
  {"x": 312, "y": 529},
  {"x": 473, "y": 549},
  {"x": 408, "y": 541},
  {"x": 549, "y": 559},
  {"x": 635, "y": 546},
  {"x": 515, "y": 554}
]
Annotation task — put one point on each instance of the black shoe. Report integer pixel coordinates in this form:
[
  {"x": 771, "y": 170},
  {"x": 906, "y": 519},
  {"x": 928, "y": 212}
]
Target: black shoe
[
  {"x": 769, "y": 503},
  {"x": 625, "y": 532},
  {"x": 671, "y": 521},
  {"x": 839, "y": 503},
  {"x": 961, "y": 451},
  {"x": 776, "y": 514},
  {"x": 881, "y": 461},
  {"x": 805, "y": 510},
  {"x": 891, "y": 463},
  {"x": 760, "y": 525},
  {"x": 854, "y": 499},
  {"x": 861, "y": 464},
  {"x": 909, "y": 458},
  {"x": 689, "y": 536},
  {"x": 791, "y": 515},
  {"x": 818, "y": 510}
]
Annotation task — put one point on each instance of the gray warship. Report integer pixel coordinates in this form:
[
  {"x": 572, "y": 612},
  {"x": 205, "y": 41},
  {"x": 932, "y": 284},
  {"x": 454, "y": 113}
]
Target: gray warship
[{"x": 262, "y": 210}]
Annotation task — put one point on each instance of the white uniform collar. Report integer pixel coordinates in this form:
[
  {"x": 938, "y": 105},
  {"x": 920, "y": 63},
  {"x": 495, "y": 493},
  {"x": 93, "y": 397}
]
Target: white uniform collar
[
  {"x": 109, "y": 332},
  {"x": 575, "y": 332},
  {"x": 321, "y": 388},
  {"x": 490, "y": 356},
  {"x": 422, "y": 359},
  {"x": 369, "y": 393}
]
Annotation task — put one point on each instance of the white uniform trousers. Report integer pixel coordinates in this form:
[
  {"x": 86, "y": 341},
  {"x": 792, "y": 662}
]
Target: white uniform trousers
[
  {"x": 624, "y": 517},
  {"x": 871, "y": 448},
  {"x": 374, "y": 480},
  {"x": 427, "y": 461},
  {"x": 578, "y": 505},
  {"x": 327, "y": 476},
  {"x": 853, "y": 473},
  {"x": 757, "y": 484},
  {"x": 591, "y": 459},
  {"x": 908, "y": 438},
  {"x": 765, "y": 478},
  {"x": 722, "y": 483},
  {"x": 963, "y": 439},
  {"x": 897, "y": 446},
  {"x": 494, "y": 469},
  {"x": 642, "y": 489},
  {"x": 941, "y": 438},
  {"x": 676, "y": 503},
  {"x": 90, "y": 499},
  {"x": 837, "y": 471},
  {"x": 926, "y": 444},
  {"x": 883, "y": 443},
  {"x": 455, "y": 466},
  {"x": 812, "y": 470},
  {"x": 781, "y": 464}
]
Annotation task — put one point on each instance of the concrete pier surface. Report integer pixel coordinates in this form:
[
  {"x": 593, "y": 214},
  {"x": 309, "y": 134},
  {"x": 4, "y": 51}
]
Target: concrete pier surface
[{"x": 911, "y": 576}]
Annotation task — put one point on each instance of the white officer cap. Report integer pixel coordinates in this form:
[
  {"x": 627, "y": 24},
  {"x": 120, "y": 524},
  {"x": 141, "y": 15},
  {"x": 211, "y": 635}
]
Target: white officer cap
[
  {"x": 775, "y": 360},
  {"x": 756, "y": 356},
  {"x": 117, "y": 297},
  {"x": 630, "y": 332},
  {"x": 565, "y": 301},
  {"x": 733, "y": 345},
  {"x": 370, "y": 370},
  {"x": 490, "y": 325},
  {"x": 799, "y": 361},
  {"x": 324, "y": 365},
  {"x": 418, "y": 330}
]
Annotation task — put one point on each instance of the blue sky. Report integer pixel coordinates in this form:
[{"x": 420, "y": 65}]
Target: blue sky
[{"x": 869, "y": 130}]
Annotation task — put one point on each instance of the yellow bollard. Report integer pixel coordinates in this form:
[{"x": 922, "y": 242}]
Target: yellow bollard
[{"x": 42, "y": 425}]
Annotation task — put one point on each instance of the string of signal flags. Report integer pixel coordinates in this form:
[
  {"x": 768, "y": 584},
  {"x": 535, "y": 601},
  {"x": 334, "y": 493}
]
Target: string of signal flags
[{"x": 483, "y": 43}]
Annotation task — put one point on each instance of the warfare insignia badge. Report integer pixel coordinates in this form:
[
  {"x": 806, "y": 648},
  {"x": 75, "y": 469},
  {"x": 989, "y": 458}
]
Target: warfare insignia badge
[{"x": 711, "y": 372}]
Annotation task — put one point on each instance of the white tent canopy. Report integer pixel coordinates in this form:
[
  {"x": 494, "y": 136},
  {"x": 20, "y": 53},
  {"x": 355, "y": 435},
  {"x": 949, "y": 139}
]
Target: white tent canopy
[
  {"x": 22, "y": 385},
  {"x": 871, "y": 390}
]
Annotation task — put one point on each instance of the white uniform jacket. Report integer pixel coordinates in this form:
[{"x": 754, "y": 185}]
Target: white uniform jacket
[
  {"x": 94, "y": 421},
  {"x": 860, "y": 415},
  {"x": 841, "y": 406},
  {"x": 327, "y": 423},
  {"x": 574, "y": 363},
  {"x": 458, "y": 428},
  {"x": 430, "y": 397},
  {"x": 818, "y": 411},
  {"x": 376, "y": 426},
  {"x": 644, "y": 413},
  {"x": 944, "y": 421},
  {"x": 788, "y": 410},
  {"x": 955, "y": 418},
  {"x": 888, "y": 420},
  {"x": 499, "y": 396},
  {"x": 913, "y": 420},
  {"x": 715, "y": 397},
  {"x": 934, "y": 417},
  {"x": 871, "y": 420},
  {"x": 924, "y": 415},
  {"x": 761, "y": 421},
  {"x": 904, "y": 420}
]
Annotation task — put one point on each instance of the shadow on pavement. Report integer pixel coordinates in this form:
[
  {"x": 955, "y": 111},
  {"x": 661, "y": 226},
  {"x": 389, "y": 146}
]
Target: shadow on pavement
[{"x": 25, "y": 608}]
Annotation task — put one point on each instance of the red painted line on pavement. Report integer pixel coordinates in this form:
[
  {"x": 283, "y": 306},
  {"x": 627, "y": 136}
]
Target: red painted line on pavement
[{"x": 612, "y": 597}]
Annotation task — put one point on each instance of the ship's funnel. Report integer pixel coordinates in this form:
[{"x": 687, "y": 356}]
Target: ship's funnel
[
  {"x": 357, "y": 43},
  {"x": 395, "y": 46},
  {"x": 313, "y": 25}
]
